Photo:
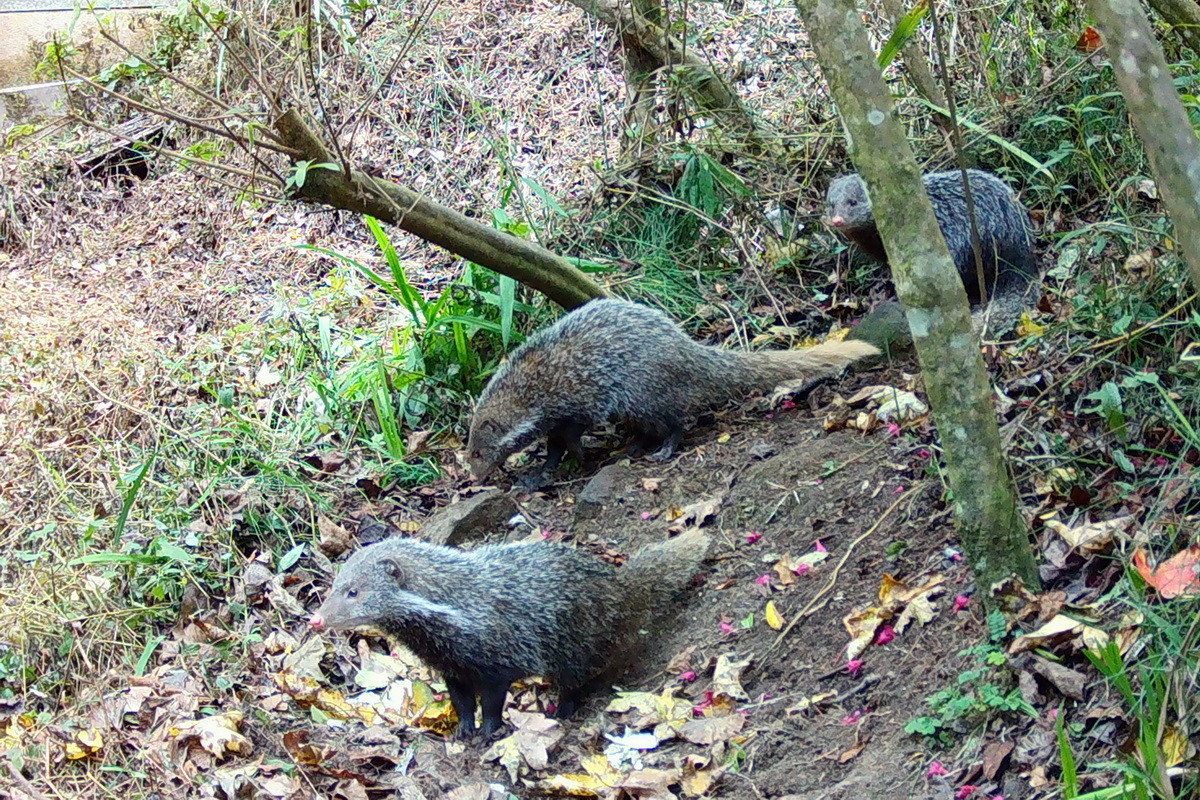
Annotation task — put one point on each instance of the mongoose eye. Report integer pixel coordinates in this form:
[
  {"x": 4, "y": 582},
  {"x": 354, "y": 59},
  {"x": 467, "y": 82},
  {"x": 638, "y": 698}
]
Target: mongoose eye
[
  {"x": 352, "y": 593},
  {"x": 852, "y": 203}
]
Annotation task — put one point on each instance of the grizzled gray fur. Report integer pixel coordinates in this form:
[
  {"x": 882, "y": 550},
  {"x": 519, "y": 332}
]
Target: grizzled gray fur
[
  {"x": 616, "y": 360},
  {"x": 1005, "y": 234},
  {"x": 487, "y": 617}
]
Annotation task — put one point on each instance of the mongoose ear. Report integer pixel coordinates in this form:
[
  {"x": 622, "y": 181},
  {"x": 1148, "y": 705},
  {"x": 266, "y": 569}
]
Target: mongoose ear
[{"x": 393, "y": 569}]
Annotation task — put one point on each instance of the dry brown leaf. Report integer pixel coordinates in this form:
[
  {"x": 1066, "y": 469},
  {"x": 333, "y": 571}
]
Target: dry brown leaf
[{"x": 710, "y": 730}]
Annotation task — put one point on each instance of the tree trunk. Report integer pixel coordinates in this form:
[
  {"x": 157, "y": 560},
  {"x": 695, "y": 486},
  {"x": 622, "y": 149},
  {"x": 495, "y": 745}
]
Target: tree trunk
[
  {"x": 1184, "y": 17},
  {"x": 708, "y": 89},
  {"x": 1158, "y": 116},
  {"x": 522, "y": 260},
  {"x": 641, "y": 76},
  {"x": 993, "y": 533}
]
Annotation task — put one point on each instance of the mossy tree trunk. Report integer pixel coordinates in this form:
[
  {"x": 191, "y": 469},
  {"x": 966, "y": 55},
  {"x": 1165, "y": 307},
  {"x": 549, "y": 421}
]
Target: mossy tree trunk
[
  {"x": 522, "y": 260},
  {"x": 1183, "y": 16},
  {"x": 1158, "y": 116},
  {"x": 707, "y": 88},
  {"x": 993, "y": 533}
]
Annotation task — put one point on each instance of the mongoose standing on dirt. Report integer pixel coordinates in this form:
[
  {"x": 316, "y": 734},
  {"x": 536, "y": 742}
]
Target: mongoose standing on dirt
[
  {"x": 623, "y": 361},
  {"x": 487, "y": 617},
  {"x": 1005, "y": 234}
]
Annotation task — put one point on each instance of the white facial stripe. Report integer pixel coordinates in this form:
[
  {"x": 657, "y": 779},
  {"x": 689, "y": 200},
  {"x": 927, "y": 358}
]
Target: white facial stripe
[
  {"x": 523, "y": 428},
  {"x": 427, "y": 606}
]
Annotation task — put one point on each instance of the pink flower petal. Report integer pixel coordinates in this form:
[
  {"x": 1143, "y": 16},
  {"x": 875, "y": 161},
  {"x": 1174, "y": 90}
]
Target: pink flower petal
[
  {"x": 885, "y": 635},
  {"x": 854, "y": 666},
  {"x": 763, "y": 580},
  {"x": 965, "y": 791},
  {"x": 803, "y": 568},
  {"x": 752, "y": 537},
  {"x": 788, "y": 405},
  {"x": 727, "y": 628},
  {"x": 936, "y": 769},
  {"x": 850, "y": 719},
  {"x": 961, "y": 602},
  {"x": 551, "y": 707},
  {"x": 923, "y": 453},
  {"x": 820, "y": 548},
  {"x": 646, "y": 515},
  {"x": 898, "y": 489},
  {"x": 893, "y": 429},
  {"x": 687, "y": 677}
]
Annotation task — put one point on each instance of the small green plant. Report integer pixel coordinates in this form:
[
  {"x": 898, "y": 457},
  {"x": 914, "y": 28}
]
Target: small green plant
[{"x": 981, "y": 691}]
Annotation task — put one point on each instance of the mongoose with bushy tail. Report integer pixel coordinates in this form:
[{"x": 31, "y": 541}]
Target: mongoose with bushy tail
[
  {"x": 1005, "y": 234},
  {"x": 490, "y": 616},
  {"x": 623, "y": 361}
]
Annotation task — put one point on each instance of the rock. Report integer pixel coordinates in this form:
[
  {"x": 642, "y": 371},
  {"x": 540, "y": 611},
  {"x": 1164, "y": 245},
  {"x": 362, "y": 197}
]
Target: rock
[
  {"x": 470, "y": 519},
  {"x": 601, "y": 490}
]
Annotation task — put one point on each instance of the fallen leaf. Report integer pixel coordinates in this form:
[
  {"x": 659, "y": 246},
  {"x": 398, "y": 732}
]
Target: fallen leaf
[
  {"x": 218, "y": 734},
  {"x": 1091, "y": 537},
  {"x": 862, "y": 627},
  {"x": 693, "y": 515},
  {"x": 852, "y": 753},
  {"x": 85, "y": 744},
  {"x": 335, "y": 539},
  {"x": 1060, "y": 628},
  {"x": 773, "y": 617},
  {"x": 994, "y": 756},
  {"x": 710, "y": 730},
  {"x": 727, "y": 677},
  {"x": 1178, "y": 576},
  {"x": 1089, "y": 41}
]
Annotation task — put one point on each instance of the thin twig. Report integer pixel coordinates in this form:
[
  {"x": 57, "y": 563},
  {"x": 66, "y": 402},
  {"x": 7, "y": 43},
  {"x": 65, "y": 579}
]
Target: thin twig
[
  {"x": 1124, "y": 337},
  {"x": 182, "y": 120},
  {"x": 25, "y": 785},
  {"x": 166, "y": 73},
  {"x": 837, "y": 570},
  {"x": 233, "y": 54},
  {"x": 120, "y": 138}
]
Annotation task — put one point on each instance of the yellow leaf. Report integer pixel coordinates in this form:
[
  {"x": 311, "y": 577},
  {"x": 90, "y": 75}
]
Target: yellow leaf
[
  {"x": 723, "y": 438},
  {"x": 774, "y": 618},
  {"x": 1174, "y": 746},
  {"x": 1027, "y": 327},
  {"x": 86, "y": 743}
]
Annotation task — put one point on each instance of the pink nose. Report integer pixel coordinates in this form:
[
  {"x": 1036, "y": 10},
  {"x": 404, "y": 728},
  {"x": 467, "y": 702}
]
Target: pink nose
[
  {"x": 837, "y": 222},
  {"x": 316, "y": 621}
]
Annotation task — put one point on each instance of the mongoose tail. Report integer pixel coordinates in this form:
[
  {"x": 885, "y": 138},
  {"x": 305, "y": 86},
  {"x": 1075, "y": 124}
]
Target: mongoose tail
[{"x": 770, "y": 368}]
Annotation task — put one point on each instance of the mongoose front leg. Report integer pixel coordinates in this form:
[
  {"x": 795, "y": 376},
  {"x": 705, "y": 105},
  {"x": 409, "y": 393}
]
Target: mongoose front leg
[
  {"x": 565, "y": 437},
  {"x": 670, "y": 444},
  {"x": 462, "y": 697},
  {"x": 491, "y": 701}
]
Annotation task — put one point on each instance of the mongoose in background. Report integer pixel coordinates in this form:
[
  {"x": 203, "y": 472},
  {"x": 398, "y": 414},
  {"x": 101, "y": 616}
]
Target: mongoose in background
[
  {"x": 487, "y": 617},
  {"x": 1005, "y": 233},
  {"x": 613, "y": 359}
]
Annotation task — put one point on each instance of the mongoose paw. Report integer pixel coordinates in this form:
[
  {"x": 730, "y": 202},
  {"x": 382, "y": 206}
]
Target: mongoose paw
[
  {"x": 465, "y": 731},
  {"x": 533, "y": 482},
  {"x": 664, "y": 453},
  {"x": 493, "y": 731}
]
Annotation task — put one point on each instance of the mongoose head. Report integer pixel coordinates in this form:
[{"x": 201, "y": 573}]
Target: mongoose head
[
  {"x": 494, "y": 438},
  {"x": 849, "y": 206},
  {"x": 375, "y": 586}
]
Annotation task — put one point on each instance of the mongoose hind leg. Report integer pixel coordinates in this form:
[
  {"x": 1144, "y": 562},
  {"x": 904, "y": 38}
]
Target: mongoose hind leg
[
  {"x": 462, "y": 697},
  {"x": 491, "y": 700},
  {"x": 570, "y": 699}
]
